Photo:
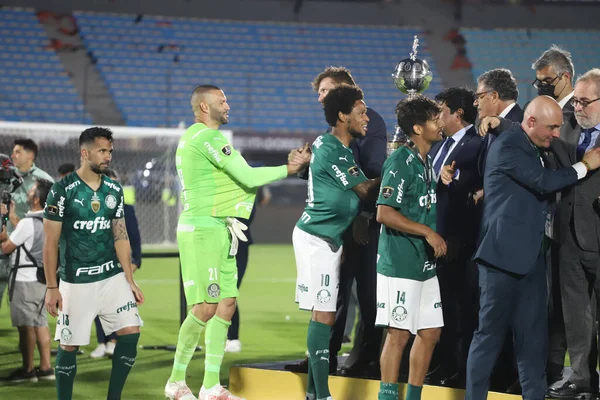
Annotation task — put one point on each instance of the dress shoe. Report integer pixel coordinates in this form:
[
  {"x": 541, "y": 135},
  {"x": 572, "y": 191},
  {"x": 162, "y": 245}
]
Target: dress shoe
[
  {"x": 569, "y": 390},
  {"x": 302, "y": 366},
  {"x": 456, "y": 381},
  {"x": 438, "y": 375},
  {"x": 362, "y": 370},
  {"x": 515, "y": 388}
]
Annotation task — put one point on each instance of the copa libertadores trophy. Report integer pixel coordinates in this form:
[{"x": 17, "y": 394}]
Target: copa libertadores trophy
[{"x": 411, "y": 76}]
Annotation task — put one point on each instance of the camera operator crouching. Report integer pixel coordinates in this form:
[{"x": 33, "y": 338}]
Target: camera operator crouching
[{"x": 26, "y": 285}]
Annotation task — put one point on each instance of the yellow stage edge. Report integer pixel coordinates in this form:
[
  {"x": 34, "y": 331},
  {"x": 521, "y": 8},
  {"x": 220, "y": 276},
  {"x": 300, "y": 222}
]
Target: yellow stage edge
[{"x": 263, "y": 384}]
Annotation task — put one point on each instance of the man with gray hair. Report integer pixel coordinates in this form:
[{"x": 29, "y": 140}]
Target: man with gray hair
[
  {"x": 496, "y": 96},
  {"x": 577, "y": 231},
  {"x": 554, "y": 73}
]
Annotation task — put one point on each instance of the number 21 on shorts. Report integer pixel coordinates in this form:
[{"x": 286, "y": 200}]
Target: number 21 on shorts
[{"x": 212, "y": 274}]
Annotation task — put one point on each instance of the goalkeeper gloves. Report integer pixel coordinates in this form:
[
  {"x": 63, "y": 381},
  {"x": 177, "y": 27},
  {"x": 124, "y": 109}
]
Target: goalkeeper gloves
[{"x": 236, "y": 228}]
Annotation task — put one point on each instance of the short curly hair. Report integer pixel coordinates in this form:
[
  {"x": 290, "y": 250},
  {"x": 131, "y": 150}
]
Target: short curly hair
[
  {"x": 341, "y": 99},
  {"x": 501, "y": 81}
]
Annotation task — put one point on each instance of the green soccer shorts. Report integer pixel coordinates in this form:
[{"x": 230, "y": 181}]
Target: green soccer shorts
[{"x": 209, "y": 273}]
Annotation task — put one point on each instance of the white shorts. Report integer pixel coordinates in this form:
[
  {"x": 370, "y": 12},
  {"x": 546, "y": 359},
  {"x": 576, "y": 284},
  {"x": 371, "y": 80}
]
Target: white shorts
[
  {"x": 111, "y": 299},
  {"x": 408, "y": 304},
  {"x": 318, "y": 267}
]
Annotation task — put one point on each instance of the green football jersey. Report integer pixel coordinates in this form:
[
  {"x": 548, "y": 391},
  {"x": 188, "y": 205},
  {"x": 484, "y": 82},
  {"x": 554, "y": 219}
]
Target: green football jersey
[
  {"x": 409, "y": 187},
  {"x": 331, "y": 205},
  {"x": 87, "y": 245},
  {"x": 207, "y": 190}
]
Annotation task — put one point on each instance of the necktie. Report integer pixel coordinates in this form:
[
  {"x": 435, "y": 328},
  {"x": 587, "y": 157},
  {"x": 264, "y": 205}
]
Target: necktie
[
  {"x": 445, "y": 149},
  {"x": 587, "y": 138}
]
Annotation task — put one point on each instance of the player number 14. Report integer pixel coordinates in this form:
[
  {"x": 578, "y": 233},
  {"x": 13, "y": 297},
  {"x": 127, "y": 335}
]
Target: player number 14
[{"x": 401, "y": 297}]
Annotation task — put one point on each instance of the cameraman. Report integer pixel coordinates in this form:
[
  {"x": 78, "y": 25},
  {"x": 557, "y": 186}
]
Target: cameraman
[
  {"x": 27, "y": 289},
  {"x": 23, "y": 157}
]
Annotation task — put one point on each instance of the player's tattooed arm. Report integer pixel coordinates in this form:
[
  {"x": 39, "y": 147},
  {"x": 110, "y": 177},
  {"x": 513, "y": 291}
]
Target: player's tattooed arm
[{"x": 120, "y": 229}]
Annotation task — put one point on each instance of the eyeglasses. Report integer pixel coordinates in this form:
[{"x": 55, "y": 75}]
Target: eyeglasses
[
  {"x": 481, "y": 95},
  {"x": 537, "y": 83},
  {"x": 584, "y": 103}
]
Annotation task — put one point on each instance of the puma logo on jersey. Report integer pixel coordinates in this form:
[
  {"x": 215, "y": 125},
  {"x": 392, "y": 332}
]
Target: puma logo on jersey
[
  {"x": 53, "y": 193},
  {"x": 421, "y": 176},
  {"x": 393, "y": 173},
  {"x": 344, "y": 158},
  {"x": 79, "y": 201}
]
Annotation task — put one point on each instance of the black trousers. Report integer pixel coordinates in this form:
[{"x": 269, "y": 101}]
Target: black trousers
[
  {"x": 241, "y": 260},
  {"x": 459, "y": 288},
  {"x": 516, "y": 304},
  {"x": 360, "y": 263},
  {"x": 557, "y": 339}
]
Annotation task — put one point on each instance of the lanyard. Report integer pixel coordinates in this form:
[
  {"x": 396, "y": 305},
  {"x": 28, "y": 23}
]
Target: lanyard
[{"x": 427, "y": 174}]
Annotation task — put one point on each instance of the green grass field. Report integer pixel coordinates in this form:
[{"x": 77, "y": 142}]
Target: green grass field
[{"x": 266, "y": 298}]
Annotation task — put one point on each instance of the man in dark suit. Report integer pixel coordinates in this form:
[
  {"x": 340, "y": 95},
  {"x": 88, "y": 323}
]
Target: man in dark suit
[
  {"x": 577, "y": 228},
  {"x": 512, "y": 277},
  {"x": 360, "y": 248},
  {"x": 457, "y": 222},
  {"x": 554, "y": 73},
  {"x": 496, "y": 96}
]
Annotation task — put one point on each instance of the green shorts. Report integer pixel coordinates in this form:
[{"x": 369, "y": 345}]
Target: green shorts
[{"x": 209, "y": 273}]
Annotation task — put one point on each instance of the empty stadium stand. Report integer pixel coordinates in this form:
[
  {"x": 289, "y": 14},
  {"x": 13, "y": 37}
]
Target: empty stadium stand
[
  {"x": 152, "y": 65},
  {"x": 33, "y": 83},
  {"x": 517, "y": 49}
]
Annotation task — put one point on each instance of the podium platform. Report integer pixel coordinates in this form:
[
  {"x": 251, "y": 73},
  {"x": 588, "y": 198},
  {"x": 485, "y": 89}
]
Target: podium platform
[{"x": 269, "y": 381}]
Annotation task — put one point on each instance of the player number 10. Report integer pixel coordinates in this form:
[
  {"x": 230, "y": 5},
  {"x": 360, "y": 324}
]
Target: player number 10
[{"x": 324, "y": 279}]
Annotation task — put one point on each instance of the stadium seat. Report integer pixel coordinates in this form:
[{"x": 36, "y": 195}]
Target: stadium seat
[
  {"x": 265, "y": 69},
  {"x": 519, "y": 48},
  {"x": 29, "y": 68}
]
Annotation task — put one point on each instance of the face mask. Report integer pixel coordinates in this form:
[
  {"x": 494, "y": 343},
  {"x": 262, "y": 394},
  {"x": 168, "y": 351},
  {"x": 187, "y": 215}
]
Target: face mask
[{"x": 547, "y": 90}]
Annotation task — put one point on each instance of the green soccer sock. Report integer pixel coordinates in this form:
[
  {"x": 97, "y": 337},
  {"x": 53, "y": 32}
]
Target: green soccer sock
[
  {"x": 413, "y": 392},
  {"x": 66, "y": 368},
  {"x": 388, "y": 391},
  {"x": 310, "y": 386},
  {"x": 318, "y": 348},
  {"x": 189, "y": 335},
  {"x": 216, "y": 333},
  {"x": 122, "y": 361}
]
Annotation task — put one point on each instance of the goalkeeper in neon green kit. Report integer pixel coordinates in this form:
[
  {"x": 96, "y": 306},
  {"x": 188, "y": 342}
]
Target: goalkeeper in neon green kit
[{"x": 217, "y": 186}]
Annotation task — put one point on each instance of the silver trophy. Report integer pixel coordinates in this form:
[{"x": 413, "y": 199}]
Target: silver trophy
[{"x": 411, "y": 76}]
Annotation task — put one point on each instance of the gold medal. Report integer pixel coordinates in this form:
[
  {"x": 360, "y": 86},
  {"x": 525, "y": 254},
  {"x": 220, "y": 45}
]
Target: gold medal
[{"x": 95, "y": 203}]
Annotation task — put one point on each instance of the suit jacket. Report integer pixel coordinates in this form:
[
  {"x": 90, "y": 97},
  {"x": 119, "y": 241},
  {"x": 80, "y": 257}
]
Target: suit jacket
[
  {"x": 370, "y": 151},
  {"x": 514, "y": 115},
  {"x": 516, "y": 188},
  {"x": 456, "y": 216},
  {"x": 576, "y": 204}
]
